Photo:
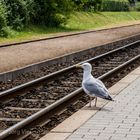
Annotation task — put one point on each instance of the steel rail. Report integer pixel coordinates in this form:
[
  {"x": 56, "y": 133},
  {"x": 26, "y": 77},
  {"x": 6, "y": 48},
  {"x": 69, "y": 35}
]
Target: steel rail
[
  {"x": 60, "y": 102},
  {"x": 19, "y": 89},
  {"x": 61, "y": 36}
]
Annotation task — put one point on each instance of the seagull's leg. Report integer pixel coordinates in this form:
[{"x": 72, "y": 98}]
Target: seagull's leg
[
  {"x": 90, "y": 101},
  {"x": 95, "y": 101}
]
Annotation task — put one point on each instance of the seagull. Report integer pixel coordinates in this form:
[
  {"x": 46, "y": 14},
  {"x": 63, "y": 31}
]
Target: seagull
[{"x": 93, "y": 86}]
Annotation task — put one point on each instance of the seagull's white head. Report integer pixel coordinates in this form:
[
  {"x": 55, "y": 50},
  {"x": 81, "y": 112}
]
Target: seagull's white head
[{"x": 85, "y": 66}]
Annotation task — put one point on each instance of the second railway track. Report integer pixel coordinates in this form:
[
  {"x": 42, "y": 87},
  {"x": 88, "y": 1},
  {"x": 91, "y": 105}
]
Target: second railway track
[
  {"x": 26, "y": 107},
  {"x": 16, "y": 77}
]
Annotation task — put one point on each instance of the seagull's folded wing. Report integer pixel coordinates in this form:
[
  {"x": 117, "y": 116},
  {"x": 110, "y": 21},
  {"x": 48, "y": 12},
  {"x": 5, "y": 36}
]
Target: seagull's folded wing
[
  {"x": 100, "y": 83},
  {"x": 95, "y": 88}
]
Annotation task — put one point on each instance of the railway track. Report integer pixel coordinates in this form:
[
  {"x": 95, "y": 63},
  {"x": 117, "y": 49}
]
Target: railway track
[
  {"x": 17, "y": 77},
  {"x": 37, "y": 106}
]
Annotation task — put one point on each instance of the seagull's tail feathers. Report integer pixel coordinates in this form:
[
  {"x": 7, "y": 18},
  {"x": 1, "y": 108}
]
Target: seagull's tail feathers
[{"x": 109, "y": 98}]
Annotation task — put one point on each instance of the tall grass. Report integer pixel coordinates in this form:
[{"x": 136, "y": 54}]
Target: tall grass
[
  {"x": 78, "y": 21},
  {"x": 88, "y": 20}
]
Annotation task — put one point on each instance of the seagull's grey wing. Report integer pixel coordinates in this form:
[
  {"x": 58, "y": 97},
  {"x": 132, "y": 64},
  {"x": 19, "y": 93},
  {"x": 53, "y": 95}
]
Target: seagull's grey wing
[
  {"x": 96, "y": 89},
  {"x": 101, "y": 84}
]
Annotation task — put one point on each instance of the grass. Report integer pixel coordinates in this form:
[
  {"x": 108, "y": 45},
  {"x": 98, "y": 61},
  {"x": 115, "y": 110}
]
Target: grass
[
  {"x": 33, "y": 32},
  {"x": 78, "y": 21},
  {"x": 82, "y": 20}
]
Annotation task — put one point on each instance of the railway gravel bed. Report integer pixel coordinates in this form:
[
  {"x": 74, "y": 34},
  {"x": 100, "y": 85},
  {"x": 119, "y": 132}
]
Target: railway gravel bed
[
  {"x": 60, "y": 86},
  {"x": 46, "y": 67},
  {"x": 40, "y": 130}
]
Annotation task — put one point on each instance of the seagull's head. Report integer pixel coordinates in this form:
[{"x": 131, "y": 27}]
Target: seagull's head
[{"x": 85, "y": 66}]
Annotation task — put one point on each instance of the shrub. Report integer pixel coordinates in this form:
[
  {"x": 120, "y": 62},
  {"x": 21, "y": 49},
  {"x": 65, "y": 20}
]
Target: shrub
[
  {"x": 112, "y": 5},
  {"x": 6, "y": 31},
  {"x": 88, "y": 5},
  {"x": 18, "y": 14},
  {"x": 138, "y": 7},
  {"x": 52, "y": 13},
  {"x": 3, "y": 21}
]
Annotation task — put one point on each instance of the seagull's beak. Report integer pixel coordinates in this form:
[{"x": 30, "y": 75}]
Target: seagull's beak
[{"x": 78, "y": 66}]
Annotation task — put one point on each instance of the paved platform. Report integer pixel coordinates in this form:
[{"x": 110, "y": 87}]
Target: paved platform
[{"x": 118, "y": 120}]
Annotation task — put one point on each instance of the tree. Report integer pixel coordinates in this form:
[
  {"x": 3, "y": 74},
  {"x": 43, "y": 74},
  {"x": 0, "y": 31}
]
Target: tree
[
  {"x": 18, "y": 14},
  {"x": 88, "y": 4},
  {"x": 3, "y": 18},
  {"x": 53, "y": 12},
  {"x": 132, "y": 2}
]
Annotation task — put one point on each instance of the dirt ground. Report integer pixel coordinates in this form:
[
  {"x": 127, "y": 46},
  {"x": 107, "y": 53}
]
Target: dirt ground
[{"x": 18, "y": 56}]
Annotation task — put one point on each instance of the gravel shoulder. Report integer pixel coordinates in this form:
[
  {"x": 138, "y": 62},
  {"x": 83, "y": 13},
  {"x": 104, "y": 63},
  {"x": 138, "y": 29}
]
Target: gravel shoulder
[{"x": 14, "y": 57}]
